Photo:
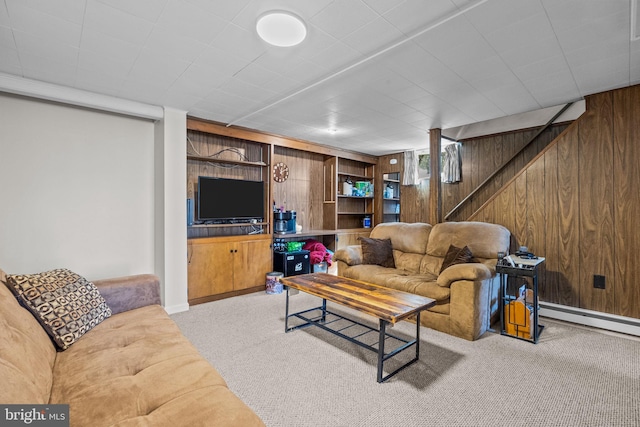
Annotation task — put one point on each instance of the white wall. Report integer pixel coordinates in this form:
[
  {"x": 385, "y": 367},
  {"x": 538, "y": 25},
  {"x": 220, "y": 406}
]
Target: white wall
[
  {"x": 170, "y": 207},
  {"x": 76, "y": 190}
]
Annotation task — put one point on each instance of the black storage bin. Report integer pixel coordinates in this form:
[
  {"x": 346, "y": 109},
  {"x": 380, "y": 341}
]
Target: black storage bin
[{"x": 291, "y": 263}]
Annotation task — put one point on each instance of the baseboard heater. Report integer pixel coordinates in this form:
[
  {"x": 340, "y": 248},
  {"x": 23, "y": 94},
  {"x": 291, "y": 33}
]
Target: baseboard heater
[{"x": 596, "y": 319}]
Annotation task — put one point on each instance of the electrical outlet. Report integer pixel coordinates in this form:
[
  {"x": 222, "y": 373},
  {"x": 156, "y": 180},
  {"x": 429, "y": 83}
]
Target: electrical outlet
[{"x": 598, "y": 281}]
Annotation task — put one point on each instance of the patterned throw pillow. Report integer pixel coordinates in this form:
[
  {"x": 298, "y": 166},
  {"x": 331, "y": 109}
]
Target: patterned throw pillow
[
  {"x": 66, "y": 304},
  {"x": 455, "y": 256}
]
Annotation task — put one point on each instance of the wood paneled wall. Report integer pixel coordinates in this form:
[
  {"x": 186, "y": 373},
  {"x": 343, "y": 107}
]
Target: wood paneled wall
[
  {"x": 483, "y": 156},
  {"x": 576, "y": 202},
  {"x": 303, "y": 191}
]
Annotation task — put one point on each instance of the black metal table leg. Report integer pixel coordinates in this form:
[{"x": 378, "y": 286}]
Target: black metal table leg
[
  {"x": 286, "y": 312},
  {"x": 383, "y": 327},
  {"x": 418, "y": 335}
]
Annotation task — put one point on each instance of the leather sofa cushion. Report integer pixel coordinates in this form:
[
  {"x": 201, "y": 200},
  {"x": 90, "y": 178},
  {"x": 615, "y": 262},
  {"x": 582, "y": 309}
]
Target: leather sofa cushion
[
  {"x": 407, "y": 261},
  {"x": 419, "y": 284},
  {"x": 27, "y": 354},
  {"x": 484, "y": 240},
  {"x": 405, "y": 237},
  {"x": 136, "y": 368}
]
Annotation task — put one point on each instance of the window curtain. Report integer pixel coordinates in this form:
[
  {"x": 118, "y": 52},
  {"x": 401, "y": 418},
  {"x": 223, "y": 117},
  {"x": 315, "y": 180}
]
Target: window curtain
[
  {"x": 410, "y": 175},
  {"x": 452, "y": 164}
]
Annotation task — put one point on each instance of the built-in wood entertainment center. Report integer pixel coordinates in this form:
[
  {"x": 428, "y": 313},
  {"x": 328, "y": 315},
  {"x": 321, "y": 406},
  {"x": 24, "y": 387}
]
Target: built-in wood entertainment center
[{"x": 232, "y": 258}]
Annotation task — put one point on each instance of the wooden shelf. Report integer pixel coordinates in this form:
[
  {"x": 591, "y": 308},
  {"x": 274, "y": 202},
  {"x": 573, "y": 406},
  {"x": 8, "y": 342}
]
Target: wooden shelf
[
  {"x": 351, "y": 175},
  {"x": 355, "y": 197},
  {"x": 355, "y": 213},
  {"x": 238, "y": 224},
  {"x": 231, "y": 162}
]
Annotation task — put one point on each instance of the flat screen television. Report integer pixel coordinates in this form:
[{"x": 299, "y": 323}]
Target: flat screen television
[{"x": 223, "y": 199}]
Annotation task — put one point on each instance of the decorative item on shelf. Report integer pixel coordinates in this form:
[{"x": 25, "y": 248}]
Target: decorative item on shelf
[
  {"x": 388, "y": 192},
  {"x": 347, "y": 187},
  {"x": 360, "y": 188},
  {"x": 366, "y": 222},
  {"x": 280, "y": 172}
]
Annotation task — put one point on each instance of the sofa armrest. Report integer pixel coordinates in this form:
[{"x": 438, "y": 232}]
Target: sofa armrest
[
  {"x": 471, "y": 271},
  {"x": 130, "y": 292},
  {"x": 350, "y": 255}
]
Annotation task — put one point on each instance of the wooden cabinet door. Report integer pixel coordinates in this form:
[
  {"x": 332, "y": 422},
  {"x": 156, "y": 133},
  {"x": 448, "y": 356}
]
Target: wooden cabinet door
[
  {"x": 252, "y": 262},
  {"x": 210, "y": 268}
]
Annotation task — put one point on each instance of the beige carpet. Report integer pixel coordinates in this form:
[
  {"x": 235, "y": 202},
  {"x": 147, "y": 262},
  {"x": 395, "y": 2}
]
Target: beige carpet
[{"x": 573, "y": 377}]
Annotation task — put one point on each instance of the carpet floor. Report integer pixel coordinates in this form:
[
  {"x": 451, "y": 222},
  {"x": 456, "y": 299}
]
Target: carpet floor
[{"x": 574, "y": 376}]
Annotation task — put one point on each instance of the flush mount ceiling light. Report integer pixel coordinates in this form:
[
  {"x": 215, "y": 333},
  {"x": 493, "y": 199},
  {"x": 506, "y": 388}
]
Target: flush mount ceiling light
[{"x": 281, "y": 29}]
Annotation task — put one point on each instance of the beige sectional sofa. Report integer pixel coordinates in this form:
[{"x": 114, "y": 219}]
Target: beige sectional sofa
[
  {"x": 134, "y": 368},
  {"x": 466, "y": 294}
]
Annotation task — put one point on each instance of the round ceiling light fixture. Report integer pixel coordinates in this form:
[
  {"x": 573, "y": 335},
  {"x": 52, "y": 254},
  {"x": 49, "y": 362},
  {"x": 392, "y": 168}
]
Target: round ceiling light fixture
[{"x": 281, "y": 29}]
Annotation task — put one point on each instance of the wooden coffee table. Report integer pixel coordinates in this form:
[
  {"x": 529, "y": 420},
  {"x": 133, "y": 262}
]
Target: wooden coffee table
[{"x": 388, "y": 305}]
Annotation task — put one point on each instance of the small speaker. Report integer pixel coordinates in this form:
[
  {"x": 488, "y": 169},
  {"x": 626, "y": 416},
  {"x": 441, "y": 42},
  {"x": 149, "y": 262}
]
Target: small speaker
[{"x": 190, "y": 212}]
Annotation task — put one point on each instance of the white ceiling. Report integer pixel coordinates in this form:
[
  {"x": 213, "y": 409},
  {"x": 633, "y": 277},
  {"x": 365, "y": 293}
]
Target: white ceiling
[{"x": 380, "y": 72}]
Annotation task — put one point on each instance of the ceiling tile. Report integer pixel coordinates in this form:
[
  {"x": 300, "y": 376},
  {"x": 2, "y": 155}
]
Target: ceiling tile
[
  {"x": 191, "y": 21},
  {"x": 369, "y": 38},
  {"x": 107, "y": 83},
  {"x": 165, "y": 41},
  {"x": 10, "y": 61},
  {"x": 149, "y": 10},
  {"x": 412, "y": 16},
  {"x": 47, "y": 70},
  {"x": 383, "y": 6},
  {"x": 240, "y": 42},
  {"x": 6, "y": 38},
  {"x": 115, "y": 23},
  {"x": 343, "y": 17},
  {"x": 156, "y": 70},
  {"x": 45, "y": 25},
  {"x": 67, "y": 10},
  {"x": 4, "y": 15},
  {"x": 46, "y": 48},
  {"x": 227, "y": 10}
]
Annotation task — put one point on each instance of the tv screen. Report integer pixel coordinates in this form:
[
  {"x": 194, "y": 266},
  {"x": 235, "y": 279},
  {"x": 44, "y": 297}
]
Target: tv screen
[{"x": 222, "y": 199}]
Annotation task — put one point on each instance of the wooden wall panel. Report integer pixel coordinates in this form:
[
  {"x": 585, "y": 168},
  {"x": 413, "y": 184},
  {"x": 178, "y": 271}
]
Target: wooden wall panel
[
  {"x": 484, "y": 155},
  {"x": 569, "y": 254},
  {"x": 302, "y": 192},
  {"x": 535, "y": 208},
  {"x": 414, "y": 206},
  {"x": 520, "y": 220},
  {"x": 576, "y": 204},
  {"x": 595, "y": 155},
  {"x": 549, "y": 284},
  {"x": 626, "y": 188}
]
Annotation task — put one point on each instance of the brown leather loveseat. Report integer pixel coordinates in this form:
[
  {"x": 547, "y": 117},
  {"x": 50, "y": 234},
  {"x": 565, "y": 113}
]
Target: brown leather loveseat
[{"x": 466, "y": 294}]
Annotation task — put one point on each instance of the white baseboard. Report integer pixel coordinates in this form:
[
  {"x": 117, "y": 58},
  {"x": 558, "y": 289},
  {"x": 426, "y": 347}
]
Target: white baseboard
[
  {"x": 596, "y": 319},
  {"x": 173, "y": 309}
]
